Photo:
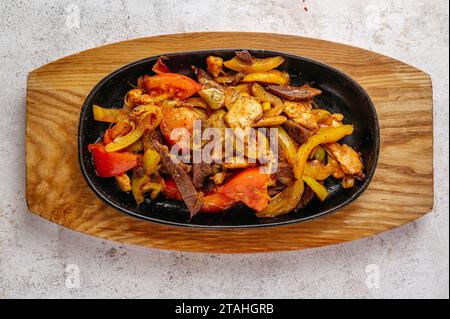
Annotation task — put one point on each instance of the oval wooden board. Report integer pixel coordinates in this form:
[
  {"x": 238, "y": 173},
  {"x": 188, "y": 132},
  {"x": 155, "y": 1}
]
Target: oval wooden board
[{"x": 401, "y": 191}]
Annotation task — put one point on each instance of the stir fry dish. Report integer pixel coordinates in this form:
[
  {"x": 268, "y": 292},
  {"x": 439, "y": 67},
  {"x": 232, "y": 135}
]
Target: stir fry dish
[{"x": 297, "y": 141}]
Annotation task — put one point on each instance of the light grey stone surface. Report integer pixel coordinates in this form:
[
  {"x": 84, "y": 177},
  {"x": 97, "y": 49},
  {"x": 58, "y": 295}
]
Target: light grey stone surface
[{"x": 412, "y": 260}]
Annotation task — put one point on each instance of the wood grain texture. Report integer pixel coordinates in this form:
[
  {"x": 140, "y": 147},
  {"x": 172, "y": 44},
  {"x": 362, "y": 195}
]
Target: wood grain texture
[{"x": 401, "y": 190}]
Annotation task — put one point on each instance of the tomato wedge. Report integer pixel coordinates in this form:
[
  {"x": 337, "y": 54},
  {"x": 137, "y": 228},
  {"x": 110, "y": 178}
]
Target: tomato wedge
[
  {"x": 108, "y": 164},
  {"x": 250, "y": 187},
  {"x": 177, "y": 118},
  {"x": 172, "y": 84},
  {"x": 216, "y": 203}
]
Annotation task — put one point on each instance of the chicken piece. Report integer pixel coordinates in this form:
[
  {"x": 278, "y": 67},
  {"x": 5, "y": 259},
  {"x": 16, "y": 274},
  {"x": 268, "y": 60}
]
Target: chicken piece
[
  {"x": 336, "y": 169},
  {"x": 244, "y": 112},
  {"x": 308, "y": 120},
  {"x": 334, "y": 120},
  {"x": 348, "y": 181},
  {"x": 220, "y": 177},
  {"x": 137, "y": 97},
  {"x": 347, "y": 157},
  {"x": 124, "y": 182},
  {"x": 296, "y": 109}
]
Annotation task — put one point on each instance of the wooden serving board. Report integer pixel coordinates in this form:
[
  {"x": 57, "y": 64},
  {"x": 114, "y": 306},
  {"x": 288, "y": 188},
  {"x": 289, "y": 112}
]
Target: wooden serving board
[{"x": 401, "y": 190}]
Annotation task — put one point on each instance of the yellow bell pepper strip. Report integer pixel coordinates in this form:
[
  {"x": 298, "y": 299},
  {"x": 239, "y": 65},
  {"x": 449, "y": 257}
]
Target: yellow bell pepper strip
[
  {"x": 214, "y": 65},
  {"x": 122, "y": 142},
  {"x": 263, "y": 97},
  {"x": 323, "y": 135},
  {"x": 285, "y": 201},
  {"x": 317, "y": 188},
  {"x": 151, "y": 160},
  {"x": 272, "y": 76},
  {"x": 288, "y": 145},
  {"x": 148, "y": 120},
  {"x": 102, "y": 114},
  {"x": 137, "y": 183},
  {"x": 317, "y": 170},
  {"x": 123, "y": 181},
  {"x": 153, "y": 188},
  {"x": 136, "y": 146},
  {"x": 289, "y": 198},
  {"x": 258, "y": 65}
]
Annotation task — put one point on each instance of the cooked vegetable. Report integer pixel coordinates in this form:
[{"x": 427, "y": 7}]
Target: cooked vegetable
[
  {"x": 249, "y": 187},
  {"x": 265, "y": 97},
  {"x": 160, "y": 66},
  {"x": 216, "y": 203},
  {"x": 109, "y": 164},
  {"x": 153, "y": 188},
  {"x": 285, "y": 202},
  {"x": 317, "y": 170},
  {"x": 272, "y": 76},
  {"x": 288, "y": 146},
  {"x": 137, "y": 183},
  {"x": 151, "y": 119},
  {"x": 150, "y": 160},
  {"x": 123, "y": 181},
  {"x": 317, "y": 188},
  {"x": 214, "y": 65},
  {"x": 177, "y": 118},
  {"x": 247, "y": 96},
  {"x": 175, "y": 85},
  {"x": 258, "y": 65},
  {"x": 108, "y": 115},
  {"x": 294, "y": 93},
  {"x": 324, "y": 135},
  {"x": 270, "y": 121},
  {"x": 215, "y": 98}
]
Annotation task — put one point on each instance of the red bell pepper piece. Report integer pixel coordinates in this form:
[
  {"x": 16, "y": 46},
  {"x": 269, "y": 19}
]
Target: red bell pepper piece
[
  {"x": 108, "y": 164},
  {"x": 171, "y": 190},
  {"x": 172, "y": 84},
  {"x": 160, "y": 67},
  {"x": 213, "y": 202},
  {"x": 250, "y": 187}
]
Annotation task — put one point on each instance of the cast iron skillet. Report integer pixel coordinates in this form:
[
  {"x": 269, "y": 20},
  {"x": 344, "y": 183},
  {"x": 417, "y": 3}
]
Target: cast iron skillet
[{"x": 340, "y": 94}]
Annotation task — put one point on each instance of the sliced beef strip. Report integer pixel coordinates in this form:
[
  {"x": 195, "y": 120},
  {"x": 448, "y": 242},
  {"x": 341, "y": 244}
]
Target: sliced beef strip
[
  {"x": 307, "y": 197},
  {"x": 296, "y": 131},
  {"x": 199, "y": 172},
  {"x": 245, "y": 56},
  {"x": 294, "y": 93},
  {"x": 150, "y": 136},
  {"x": 205, "y": 79},
  {"x": 184, "y": 184}
]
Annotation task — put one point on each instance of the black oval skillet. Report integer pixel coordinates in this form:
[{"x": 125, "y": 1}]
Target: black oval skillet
[{"x": 341, "y": 94}]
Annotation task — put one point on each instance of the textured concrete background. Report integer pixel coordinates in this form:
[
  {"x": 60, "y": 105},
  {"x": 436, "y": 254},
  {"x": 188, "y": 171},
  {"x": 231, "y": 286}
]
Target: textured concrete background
[{"x": 412, "y": 260}]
